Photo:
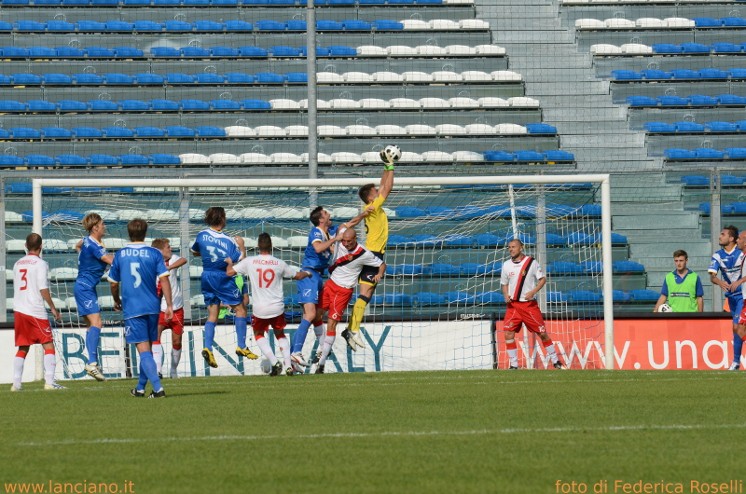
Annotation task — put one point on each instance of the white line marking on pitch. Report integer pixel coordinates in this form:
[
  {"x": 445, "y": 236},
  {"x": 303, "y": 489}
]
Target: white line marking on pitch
[{"x": 357, "y": 435}]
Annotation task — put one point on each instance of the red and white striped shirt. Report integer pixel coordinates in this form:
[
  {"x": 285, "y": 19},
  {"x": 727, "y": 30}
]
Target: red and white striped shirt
[
  {"x": 521, "y": 277},
  {"x": 347, "y": 265}
]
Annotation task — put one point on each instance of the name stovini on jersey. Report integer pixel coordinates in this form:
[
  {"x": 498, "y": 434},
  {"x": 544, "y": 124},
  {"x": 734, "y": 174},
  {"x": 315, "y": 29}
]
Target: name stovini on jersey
[
  {"x": 29, "y": 278},
  {"x": 265, "y": 274},
  {"x": 521, "y": 277},
  {"x": 347, "y": 265},
  {"x": 177, "y": 299}
]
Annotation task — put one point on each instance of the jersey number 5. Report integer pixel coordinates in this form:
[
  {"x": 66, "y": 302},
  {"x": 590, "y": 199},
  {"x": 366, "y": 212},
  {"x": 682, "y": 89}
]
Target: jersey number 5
[{"x": 266, "y": 277}]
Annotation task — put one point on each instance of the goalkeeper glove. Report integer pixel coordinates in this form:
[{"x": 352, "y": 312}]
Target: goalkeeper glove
[{"x": 387, "y": 164}]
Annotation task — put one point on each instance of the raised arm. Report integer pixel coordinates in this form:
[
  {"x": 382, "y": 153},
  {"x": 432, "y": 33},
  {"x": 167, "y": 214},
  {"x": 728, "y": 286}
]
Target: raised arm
[{"x": 387, "y": 183}]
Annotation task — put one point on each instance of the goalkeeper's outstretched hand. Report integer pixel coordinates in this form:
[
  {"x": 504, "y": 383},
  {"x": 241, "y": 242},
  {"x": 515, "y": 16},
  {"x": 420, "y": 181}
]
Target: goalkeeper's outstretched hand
[{"x": 388, "y": 164}]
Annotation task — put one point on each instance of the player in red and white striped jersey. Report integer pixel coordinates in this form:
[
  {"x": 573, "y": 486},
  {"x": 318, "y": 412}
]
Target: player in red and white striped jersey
[
  {"x": 521, "y": 280},
  {"x": 349, "y": 260},
  {"x": 30, "y": 291}
]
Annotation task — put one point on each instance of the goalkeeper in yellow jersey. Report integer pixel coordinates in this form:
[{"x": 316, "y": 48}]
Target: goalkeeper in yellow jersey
[{"x": 377, "y": 234}]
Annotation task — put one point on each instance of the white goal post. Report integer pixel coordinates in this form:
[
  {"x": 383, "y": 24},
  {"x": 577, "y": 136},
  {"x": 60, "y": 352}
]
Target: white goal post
[{"x": 601, "y": 181}]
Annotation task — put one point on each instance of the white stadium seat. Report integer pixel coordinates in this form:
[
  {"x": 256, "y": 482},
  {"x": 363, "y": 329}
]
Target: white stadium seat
[
  {"x": 403, "y": 103},
  {"x": 443, "y": 25},
  {"x": 489, "y": 50},
  {"x": 13, "y": 217},
  {"x": 175, "y": 242},
  {"x": 296, "y": 130},
  {"x": 523, "y": 102},
  {"x": 195, "y": 271},
  {"x": 115, "y": 243},
  {"x": 285, "y": 158},
  {"x": 197, "y": 300},
  {"x": 505, "y": 75},
  {"x": 357, "y": 77},
  {"x": 673, "y": 22},
  {"x": 605, "y": 49},
  {"x": 390, "y": 130},
  {"x": 343, "y": 213},
  {"x": 254, "y": 213},
  {"x": 224, "y": 159},
  {"x": 54, "y": 245},
  {"x": 479, "y": 129},
  {"x": 450, "y": 130},
  {"x": 589, "y": 24},
  {"x": 250, "y": 242},
  {"x": 400, "y": 51},
  {"x": 284, "y": 104},
  {"x": 269, "y": 131},
  {"x": 467, "y": 156},
  {"x": 473, "y": 24},
  {"x": 330, "y": 130},
  {"x": 63, "y": 274},
  {"x": 458, "y": 2},
  {"x": 419, "y": 130},
  {"x": 360, "y": 130},
  {"x": 161, "y": 215},
  {"x": 196, "y": 214},
  {"x": 460, "y": 50},
  {"x": 408, "y": 157},
  {"x": 386, "y": 76},
  {"x": 433, "y": 103},
  {"x": 239, "y": 131},
  {"x": 430, "y": 51},
  {"x": 462, "y": 102},
  {"x": 106, "y": 302},
  {"x": 344, "y": 157},
  {"x": 436, "y": 156},
  {"x": 371, "y": 51},
  {"x": 127, "y": 215},
  {"x": 415, "y": 25},
  {"x": 254, "y": 158},
  {"x": 371, "y": 157},
  {"x": 416, "y": 76},
  {"x": 475, "y": 76},
  {"x": 617, "y": 23},
  {"x": 646, "y": 22},
  {"x": 297, "y": 241},
  {"x": 344, "y": 104},
  {"x": 289, "y": 213},
  {"x": 492, "y": 102},
  {"x": 279, "y": 242},
  {"x": 328, "y": 77},
  {"x": 446, "y": 76},
  {"x": 71, "y": 243},
  {"x": 635, "y": 49},
  {"x": 192, "y": 158},
  {"x": 373, "y": 103},
  {"x": 510, "y": 128},
  {"x": 320, "y": 158}
]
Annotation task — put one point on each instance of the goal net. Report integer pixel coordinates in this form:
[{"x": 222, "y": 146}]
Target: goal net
[{"x": 440, "y": 304}]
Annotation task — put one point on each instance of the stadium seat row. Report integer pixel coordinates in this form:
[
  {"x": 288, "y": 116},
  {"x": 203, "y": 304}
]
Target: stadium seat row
[
  {"x": 695, "y": 128},
  {"x": 730, "y": 209},
  {"x": 637, "y": 49},
  {"x": 232, "y": 26},
  {"x": 223, "y": 3},
  {"x": 194, "y": 105},
  {"x": 695, "y": 100},
  {"x": 74, "y": 160},
  {"x": 206, "y": 78},
  {"x": 704, "y": 181},
  {"x": 679, "y": 74},
  {"x": 270, "y": 131},
  {"x": 339, "y": 51},
  {"x": 707, "y": 154},
  {"x": 616, "y": 23}
]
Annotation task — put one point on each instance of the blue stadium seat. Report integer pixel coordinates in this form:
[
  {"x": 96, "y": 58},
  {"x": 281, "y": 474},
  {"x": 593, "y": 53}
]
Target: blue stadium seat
[
  {"x": 627, "y": 267},
  {"x": 398, "y": 240},
  {"x": 165, "y": 105},
  {"x": 42, "y": 52},
  {"x": 177, "y": 78},
  {"x": 57, "y": 79},
  {"x": 625, "y": 75},
  {"x": 238, "y": 26},
  {"x": 297, "y": 25},
  {"x": 555, "y": 240},
  {"x": 592, "y": 267},
  {"x": 736, "y": 153},
  {"x": 104, "y": 160},
  {"x": 104, "y": 3},
  {"x": 731, "y": 100},
  {"x": 255, "y": 104},
  {"x": 91, "y": 26},
  {"x": 145, "y": 26},
  {"x": 660, "y": 128},
  {"x": 164, "y": 159},
  {"x": 459, "y": 297},
  {"x": 270, "y": 25},
  {"x": 148, "y": 78},
  {"x": 252, "y": 51},
  {"x": 644, "y": 295},
  {"x": 618, "y": 239},
  {"x": 135, "y": 105},
  {"x": 737, "y": 73},
  {"x": 676, "y": 154},
  {"x": 387, "y": 25},
  {"x": 56, "y": 133},
  {"x": 71, "y": 160},
  {"x": 103, "y": 105},
  {"x": 284, "y": 51},
  {"x": 15, "y": 52},
  {"x": 269, "y": 78},
  {"x": 166, "y": 3},
  {"x": 195, "y": 105},
  {"x": 409, "y": 212},
  {"x": 128, "y": 52},
  {"x": 666, "y": 48},
  {"x": 224, "y": 3},
  {"x": 695, "y": 180},
  {"x": 540, "y": 128},
  {"x": 39, "y": 160},
  {"x": 424, "y": 299},
  {"x": 136, "y": 3},
  {"x": 24, "y": 133},
  {"x": 702, "y": 100},
  {"x": 116, "y": 132},
  {"x": 689, "y": 127},
  {"x": 528, "y": 156},
  {"x": 725, "y": 47},
  {"x": 694, "y": 48},
  {"x": 31, "y": 26},
  {"x": 700, "y": 22},
  {"x": 180, "y": 131},
  {"x": 225, "y": 105},
  {"x": 10, "y": 161},
  {"x": 26, "y": 79},
  {"x": 426, "y": 240},
  {"x": 491, "y": 297},
  {"x": 178, "y": 26},
  {"x": 165, "y": 52},
  {"x": 208, "y": 78},
  {"x": 325, "y": 25},
  {"x": 210, "y": 131},
  {"x": 656, "y": 74},
  {"x": 6, "y": 26},
  {"x": 99, "y": 52},
  {"x": 730, "y": 180},
  {"x": 208, "y": 26},
  {"x": 709, "y": 154},
  {"x": 733, "y": 22},
  {"x": 555, "y": 297},
  {"x": 671, "y": 100},
  {"x": 342, "y": 51},
  {"x": 118, "y": 79},
  {"x": 443, "y": 269},
  {"x": 194, "y": 52},
  {"x": 4, "y": 79},
  {"x": 620, "y": 296},
  {"x": 722, "y": 127},
  {"x": 12, "y": 106},
  {"x": 583, "y": 296},
  {"x": 149, "y": 132},
  {"x": 239, "y": 78},
  {"x": 119, "y": 26},
  {"x": 41, "y": 106},
  {"x": 710, "y": 73},
  {"x": 458, "y": 240},
  {"x": 88, "y": 79},
  {"x": 685, "y": 74},
  {"x": 134, "y": 160},
  {"x": 499, "y": 156},
  {"x": 69, "y": 52},
  {"x": 224, "y": 52},
  {"x": 297, "y": 77},
  {"x": 87, "y": 133},
  {"x": 488, "y": 240},
  {"x": 356, "y": 25},
  {"x": 564, "y": 268},
  {"x": 57, "y": 25}
]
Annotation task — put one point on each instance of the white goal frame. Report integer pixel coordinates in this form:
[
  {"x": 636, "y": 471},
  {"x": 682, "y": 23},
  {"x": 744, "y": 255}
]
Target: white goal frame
[{"x": 601, "y": 179}]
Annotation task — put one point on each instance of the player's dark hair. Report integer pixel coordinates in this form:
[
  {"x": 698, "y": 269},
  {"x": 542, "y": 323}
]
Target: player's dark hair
[
  {"x": 364, "y": 192},
  {"x": 90, "y": 220},
  {"x": 316, "y": 215},
  {"x": 215, "y": 216},
  {"x": 160, "y": 243},
  {"x": 680, "y": 253},
  {"x": 33, "y": 242},
  {"x": 264, "y": 242},
  {"x": 732, "y": 231},
  {"x": 137, "y": 229}
]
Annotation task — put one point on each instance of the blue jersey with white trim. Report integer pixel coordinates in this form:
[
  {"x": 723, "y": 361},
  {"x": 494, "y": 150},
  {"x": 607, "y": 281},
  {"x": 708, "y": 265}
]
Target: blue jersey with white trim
[
  {"x": 137, "y": 268},
  {"x": 729, "y": 265},
  {"x": 213, "y": 248},
  {"x": 90, "y": 266},
  {"x": 311, "y": 258}
]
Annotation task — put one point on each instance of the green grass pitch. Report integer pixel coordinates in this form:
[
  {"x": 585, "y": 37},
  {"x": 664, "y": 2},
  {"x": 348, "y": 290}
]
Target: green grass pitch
[{"x": 430, "y": 432}]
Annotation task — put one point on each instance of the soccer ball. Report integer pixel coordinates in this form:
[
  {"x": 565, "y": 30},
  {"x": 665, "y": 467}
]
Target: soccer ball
[
  {"x": 265, "y": 366},
  {"x": 664, "y": 308},
  {"x": 391, "y": 154}
]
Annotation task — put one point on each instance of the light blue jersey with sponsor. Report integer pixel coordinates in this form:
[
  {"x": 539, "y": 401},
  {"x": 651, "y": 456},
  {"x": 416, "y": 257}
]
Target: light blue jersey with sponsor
[
  {"x": 90, "y": 266},
  {"x": 137, "y": 268},
  {"x": 214, "y": 247},
  {"x": 312, "y": 259},
  {"x": 728, "y": 264}
]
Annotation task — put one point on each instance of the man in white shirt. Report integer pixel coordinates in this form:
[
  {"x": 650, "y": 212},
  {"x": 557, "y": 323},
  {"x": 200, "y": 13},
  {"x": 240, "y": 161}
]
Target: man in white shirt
[
  {"x": 265, "y": 273},
  {"x": 30, "y": 291},
  {"x": 521, "y": 280},
  {"x": 349, "y": 260}
]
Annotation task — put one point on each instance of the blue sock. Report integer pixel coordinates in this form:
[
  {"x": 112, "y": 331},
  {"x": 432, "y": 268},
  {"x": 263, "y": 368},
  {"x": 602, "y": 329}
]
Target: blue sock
[
  {"x": 737, "y": 347},
  {"x": 300, "y": 336},
  {"x": 92, "y": 338},
  {"x": 143, "y": 378},
  {"x": 147, "y": 362},
  {"x": 209, "y": 334},
  {"x": 241, "y": 331}
]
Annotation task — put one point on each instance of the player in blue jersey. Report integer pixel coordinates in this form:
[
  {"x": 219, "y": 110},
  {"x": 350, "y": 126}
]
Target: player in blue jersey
[
  {"x": 728, "y": 261},
  {"x": 135, "y": 273},
  {"x": 92, "y": 262},
  {"x": 316, "y": 259},
  {"x": 214, "y": 246}
]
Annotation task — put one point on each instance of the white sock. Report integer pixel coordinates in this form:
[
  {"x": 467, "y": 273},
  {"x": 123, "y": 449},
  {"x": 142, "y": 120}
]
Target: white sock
[
  {"x": 284, "y": 345},
  {"x": 319, "y": 332},
  {"x": 263, "y": 344},
  {"x": 328, "y": 342},
  {"x": 50, "y": 364},
  {"x": 158, "y": 356},
  {"x": 18, "y": 370},
  {"x": 175, "y": 357},
  {"x": 551, "y": 353},
  {"x": 513, "y": 357}
]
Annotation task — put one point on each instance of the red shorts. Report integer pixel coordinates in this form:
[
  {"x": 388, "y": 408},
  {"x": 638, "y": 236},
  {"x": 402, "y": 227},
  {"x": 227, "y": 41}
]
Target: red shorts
[
  {"x": 742, "y": 316},
  {"x": 261, "y": 325},
  {"x": 176, "y": 324},
  {"x": 31, "y": 330},
  {"x": 335, "y": 299},
  {"x": 527, "y": 313}
]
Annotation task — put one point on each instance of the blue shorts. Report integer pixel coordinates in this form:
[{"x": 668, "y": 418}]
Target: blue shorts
[
  {"x": 735, "y": 312},
  {"x": 218, "y": 287},
  {"x": 86, "y": 299},
  {"x": 309, "y": 289},
  {"x": 141, "y": 328}
]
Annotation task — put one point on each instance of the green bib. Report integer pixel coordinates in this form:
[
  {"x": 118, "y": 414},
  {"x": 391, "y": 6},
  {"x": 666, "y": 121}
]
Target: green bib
[{"x": 682, "y": 297}]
